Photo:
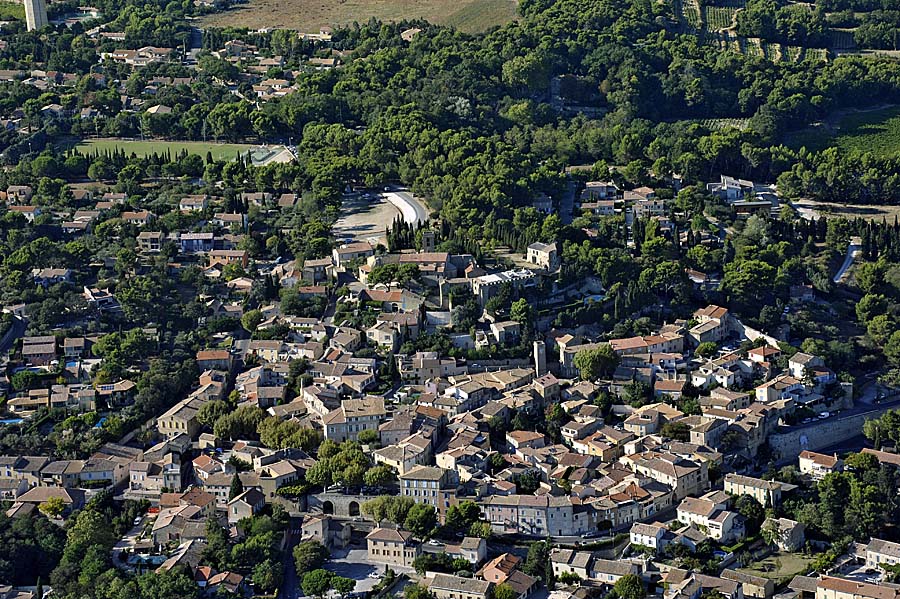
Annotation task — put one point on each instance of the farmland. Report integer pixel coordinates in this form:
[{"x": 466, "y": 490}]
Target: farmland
[
  {"x": 308, "y": 15},
  {"x": 719, "y": 17},
  {"x": 715, "y": 26},
  {"x": 875, "y": 131},
  {"x": 718, "y": 124},
  {"x": 144, "y": 148}
]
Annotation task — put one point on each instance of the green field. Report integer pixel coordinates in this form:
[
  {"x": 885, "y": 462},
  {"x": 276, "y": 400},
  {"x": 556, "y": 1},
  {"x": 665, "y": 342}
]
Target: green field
[
  {"x": 145, "y": 148},
  {"x": 12, "y": 11},
  {"x": 876, "y": 131},
  {"x": 779, "y": 565}
]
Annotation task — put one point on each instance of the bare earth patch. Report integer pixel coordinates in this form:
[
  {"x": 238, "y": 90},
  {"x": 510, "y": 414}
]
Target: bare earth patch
[
  {"x": 365, "y": 219},
  {"x": 308, "y": 15},
  {"x": 867, "y": 211}
]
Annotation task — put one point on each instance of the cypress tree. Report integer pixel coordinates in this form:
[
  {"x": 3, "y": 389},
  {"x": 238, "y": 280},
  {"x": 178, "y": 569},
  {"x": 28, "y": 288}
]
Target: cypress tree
[{"x": 237, "y": 487}]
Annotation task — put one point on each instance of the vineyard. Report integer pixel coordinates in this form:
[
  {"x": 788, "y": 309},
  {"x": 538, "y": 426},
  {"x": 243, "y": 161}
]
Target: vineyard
[
  {"x": 691, "y": 14},
  {"x": 719, "y": 124},
  {"x": 842, "y": 39},
  {"x": 715, "y": 26},
  {"x": 876, "y": 131},
  {"x": 718, "y": 18}
]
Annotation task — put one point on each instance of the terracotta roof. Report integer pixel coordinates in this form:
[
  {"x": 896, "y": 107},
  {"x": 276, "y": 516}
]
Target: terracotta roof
[
  {"x": 858, "y": 589},
  {"x": 389, "y": 535},
  {"x": 828, "y": 461}
]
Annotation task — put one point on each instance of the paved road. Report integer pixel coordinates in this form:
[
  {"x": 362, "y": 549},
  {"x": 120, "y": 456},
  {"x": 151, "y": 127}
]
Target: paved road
[
  {"x": 14, "y": 333},
  {"x": 567, "y": 204},
  {"x": 290, "y": 586},
  {"x": 125, "y": 543},
  {"x": 413, "y": 211},
  {"x": 853, "y": 250}
]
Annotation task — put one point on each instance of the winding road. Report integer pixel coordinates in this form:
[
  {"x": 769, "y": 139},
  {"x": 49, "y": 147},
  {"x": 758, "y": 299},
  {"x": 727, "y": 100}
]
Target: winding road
[
  {"x": 853, "y": 250},
  {"x": 413, "y": 211}
]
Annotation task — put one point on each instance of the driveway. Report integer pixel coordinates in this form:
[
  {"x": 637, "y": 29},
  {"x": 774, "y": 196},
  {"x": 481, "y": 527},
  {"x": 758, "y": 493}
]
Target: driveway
[{"x": 124, "y": 544}]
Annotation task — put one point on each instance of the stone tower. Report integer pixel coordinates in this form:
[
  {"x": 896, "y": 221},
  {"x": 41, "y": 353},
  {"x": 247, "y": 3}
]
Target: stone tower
[{"x": 427, "y": 241}]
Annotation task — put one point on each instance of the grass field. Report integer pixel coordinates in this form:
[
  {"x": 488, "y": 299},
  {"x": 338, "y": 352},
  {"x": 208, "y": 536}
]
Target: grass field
[
  {"x": 482, "y": 14},
  {"x": 779, "y": 565},
  {"x": 144, "y": 148},
  {"x": 308, "y": 15},
  {"x": 12, "y": 11},
  {"x": 875, "y": 131}
]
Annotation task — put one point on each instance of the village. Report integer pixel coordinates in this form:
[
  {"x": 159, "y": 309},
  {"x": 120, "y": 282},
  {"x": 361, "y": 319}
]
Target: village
[{"x": 617, "y": 457}]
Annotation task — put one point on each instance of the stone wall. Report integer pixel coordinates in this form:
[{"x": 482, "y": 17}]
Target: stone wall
[
  {"x": 786, "y": 446},
  {"x": 337, "y": 503},
  {"x": 747, "y": 332}
]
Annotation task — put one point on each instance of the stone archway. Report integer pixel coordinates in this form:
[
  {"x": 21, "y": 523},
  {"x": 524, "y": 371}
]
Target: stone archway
[
  {"x": 353, "y": 508},
  {"x": 327, "y": 507}
]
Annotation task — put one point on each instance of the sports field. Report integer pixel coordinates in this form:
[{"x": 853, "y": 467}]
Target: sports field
[
  {"x": 144, "y": 148},
  {"x": 875, "y": 131},
  {"x": 471, "y": 16}
]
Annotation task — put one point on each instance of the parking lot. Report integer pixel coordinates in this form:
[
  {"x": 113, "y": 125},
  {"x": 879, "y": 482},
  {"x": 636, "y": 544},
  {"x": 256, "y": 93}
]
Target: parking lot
[
  {"x": 861, "y": 573},
  {"x": 353, "y": 563}
]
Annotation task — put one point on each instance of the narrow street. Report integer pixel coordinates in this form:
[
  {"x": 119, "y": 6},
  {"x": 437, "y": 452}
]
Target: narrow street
[
  {"x": 567, "y": 204},
  {"x": 15, "y": 332},
  {"x": 290, "y": 587}
]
